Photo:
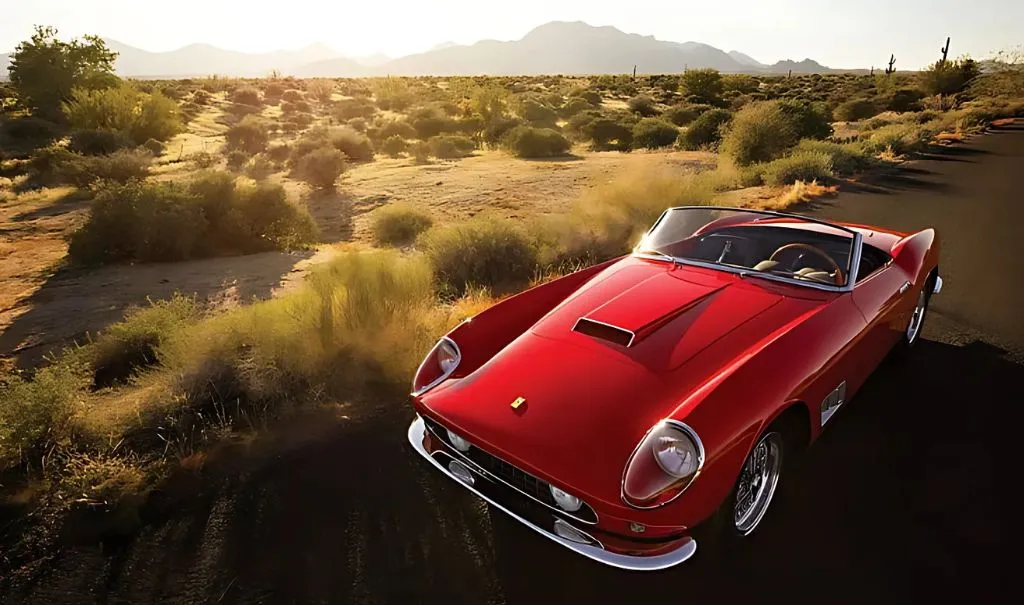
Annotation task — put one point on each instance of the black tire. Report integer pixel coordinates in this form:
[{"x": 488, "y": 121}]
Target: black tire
[{"x": 729, "y": 527}]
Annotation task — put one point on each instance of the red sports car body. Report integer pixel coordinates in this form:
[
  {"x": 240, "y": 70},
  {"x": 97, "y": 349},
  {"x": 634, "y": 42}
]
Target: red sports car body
[{"x": 616, "y": 409}]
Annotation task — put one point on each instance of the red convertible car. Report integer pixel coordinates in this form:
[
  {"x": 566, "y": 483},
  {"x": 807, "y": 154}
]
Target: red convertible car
[{"x": 630, "y": 408}]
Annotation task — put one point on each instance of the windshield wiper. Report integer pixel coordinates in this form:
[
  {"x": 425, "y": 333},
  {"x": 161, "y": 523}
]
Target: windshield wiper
[{"x": 675, "y": 261}]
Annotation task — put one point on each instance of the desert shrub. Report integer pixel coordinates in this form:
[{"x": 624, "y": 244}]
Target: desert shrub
[
  {"x": 846, "y": 158},
  {"x": 321, "y": 167},
  {"x": 900, "y": 139},
  {"x": 259, "y": 167},
  {"x": 279, "y": 153},
  {"x": 589, "y": 95},
  {"x": 451, "y": 146},
  {"x": 705, "y": 131},
  {"x": 654, "y": 133},
  {"x": 240, "y": 110},
  {"x": 804, "y": 166},
  {"x": 702, "y": 85},
  {"x": 394, "y": 146},
  {"x": 124, "y": 109},
  {"x": 97, "y": 141},
  {"x": 34, "y": 414},
  {"x": 203, "y": 159},
  {"x": 297, "y": 121},
  {"x": 355, "y": 145},
  {"x": 684, "y": 113},
  {"x": 132, "y": 344},
  {"x": 810, "y": 120},
  {"x": 949, "y": 77},
  {"x": 496, "y": 129},
  {"x": 30, "y": 129},
  {"x": 268, "y": 220},
  {"x": 538, "y": 113},
  {"x": 154, "y": 146},
  {"x": 121, "y": 166},
  {"x": 854, "y": 110},
  {"x": 903, "y": 99},
  {"x": 760, "y": 132},
  {"x": 201, "y": 97},
  {"x": 251, "y": 135},
  {"x": 643, "y": 105},
  {"x": 396, "y": 128},
  {"x": 236, "y": 159},
  {"x": 292, "y": 96},
  {"x": 399, "y": 225},
  {"x": 321, "y": 90},
  {"x": 247, "y": 95},
  {"x": 139, "y": 221},
  {"x": 357, "y": 124},
  {"x": 573, "y": 106},
  {"x": 430, "y": 121},
  {"x": 347, "y": 109},
  {"x": 531, "y": 142},
  {"x": 392, "y": 93},
  {"x": 291, "y": 107},
  {"x": 420, "y": 152},
  {"x": 483, "y": 251}
]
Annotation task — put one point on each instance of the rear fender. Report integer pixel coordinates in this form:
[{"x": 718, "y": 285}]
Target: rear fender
[
  {"x": 917, "y": 254},
  {"x": 483, "y": 336}
]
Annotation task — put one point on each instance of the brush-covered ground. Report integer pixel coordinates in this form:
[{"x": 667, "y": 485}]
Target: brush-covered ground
[{"x": 283, "y": 247}]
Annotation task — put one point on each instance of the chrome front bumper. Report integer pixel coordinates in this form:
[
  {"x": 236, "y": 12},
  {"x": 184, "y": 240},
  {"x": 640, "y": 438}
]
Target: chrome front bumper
[{"x": 418, "y": 430}]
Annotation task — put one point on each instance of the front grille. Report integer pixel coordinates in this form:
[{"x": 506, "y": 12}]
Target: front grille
[{"x": 534, "y": 487}]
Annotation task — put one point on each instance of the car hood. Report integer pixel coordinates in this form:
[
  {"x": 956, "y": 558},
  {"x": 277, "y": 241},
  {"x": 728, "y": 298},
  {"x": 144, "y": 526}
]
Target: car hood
[{"x": 588, "y": 401}]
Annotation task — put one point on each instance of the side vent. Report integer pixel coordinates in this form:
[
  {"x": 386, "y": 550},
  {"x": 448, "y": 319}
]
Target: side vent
[{"x": 619, "y": 336}]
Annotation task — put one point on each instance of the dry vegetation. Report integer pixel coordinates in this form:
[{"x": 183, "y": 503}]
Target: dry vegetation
[{"x": 387, "y": 210}]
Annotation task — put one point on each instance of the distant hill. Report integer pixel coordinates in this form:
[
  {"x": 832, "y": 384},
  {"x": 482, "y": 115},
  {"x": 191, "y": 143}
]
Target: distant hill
[{"x": 559, "y": 47}]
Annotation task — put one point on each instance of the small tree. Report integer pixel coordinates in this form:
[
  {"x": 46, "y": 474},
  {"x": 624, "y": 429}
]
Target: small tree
[
  {"x": 44, "y": 70},
  {"x": 949, "y": 77},
  {"x": 704, "y": 84}
]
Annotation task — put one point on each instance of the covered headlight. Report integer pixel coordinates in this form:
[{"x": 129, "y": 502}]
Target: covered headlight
[
  {"x": 458, "y": 442},
  {"x": 665, "y": 462},
  {"x": 439, "y": 364},
  {"x": 565, "y": 501}
]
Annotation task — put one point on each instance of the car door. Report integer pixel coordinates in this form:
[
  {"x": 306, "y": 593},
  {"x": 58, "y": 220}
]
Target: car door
[{"x": 882, "y": 299}]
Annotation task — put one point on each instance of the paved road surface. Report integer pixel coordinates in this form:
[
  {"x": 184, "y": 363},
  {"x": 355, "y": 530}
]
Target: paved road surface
[{"x": 907, "y": 497}]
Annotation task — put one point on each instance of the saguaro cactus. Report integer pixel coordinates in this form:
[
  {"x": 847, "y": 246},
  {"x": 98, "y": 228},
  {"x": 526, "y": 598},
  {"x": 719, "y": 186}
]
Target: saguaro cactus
[
  {"x": 892, "y": 61},
  {"x": 945, "y": 50}
]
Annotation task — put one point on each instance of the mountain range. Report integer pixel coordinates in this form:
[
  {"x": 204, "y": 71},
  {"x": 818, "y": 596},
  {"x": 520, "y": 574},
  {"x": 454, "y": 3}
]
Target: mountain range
[{"x": 559, "y": 47}]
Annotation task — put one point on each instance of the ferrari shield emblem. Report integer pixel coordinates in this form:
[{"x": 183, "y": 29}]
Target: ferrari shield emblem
[{"x": 518, "y": 403}]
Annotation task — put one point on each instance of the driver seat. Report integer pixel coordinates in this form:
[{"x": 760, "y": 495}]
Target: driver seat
[{"x": 806, "y": 272}]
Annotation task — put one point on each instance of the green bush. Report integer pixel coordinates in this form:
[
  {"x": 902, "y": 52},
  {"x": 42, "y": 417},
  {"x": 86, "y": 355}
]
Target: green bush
[
  {"x": 810, "y": 120},
  {"x": 321, "y": 168},
  {"x": 949, "y": 77},
  {"x": 132, "y": 344},
  {"x": 589, "y": 95},
  {"x": 138, "y": 116},
  {"x": 654, "y": 133},
  {"x": 347, "y": 109},
  {"x": 903, "y": 99},
  {"x": 574, "y": 106},
  {"x": 139, "y": 221},
  {"x": 251, "y": 135},
  {"x": 431, "y": 121},
  {"x": 531, "y": 142},
  {"x": 97, "y": 141},
  {"x": 538, "y": 114},
  {"x": 247, "y": 95},
  {"x": 846, "y": 158},
  {"x": 355, "y": 145},
  {"x": 854, "y": 110},
  {"x": 705, "y": 131},
  {"x": 394, "y": 146},
  {"x": 760, "y": 132},
  {"x": 451, "y": 146},
  {"x": 900, "y": 139},
  {"x": 702, "y": 85},
  {"x": 482, "y": 252},
  {"x": 396, "y": 128},
  {"x": 81, "y": 171},
  {"x": 643, "y": 105},
  {"x": 804, "y": 166},
  {"x": 399, "y": 225},
  {"x": 684, "y": 113}
]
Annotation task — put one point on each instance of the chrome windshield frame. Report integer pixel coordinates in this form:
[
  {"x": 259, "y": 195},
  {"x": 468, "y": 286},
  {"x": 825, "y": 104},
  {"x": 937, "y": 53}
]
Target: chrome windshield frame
[{"x": 852, "y": 270}]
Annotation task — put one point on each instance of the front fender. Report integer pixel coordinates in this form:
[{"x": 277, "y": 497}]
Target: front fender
[{"x": 483, "y": 336}]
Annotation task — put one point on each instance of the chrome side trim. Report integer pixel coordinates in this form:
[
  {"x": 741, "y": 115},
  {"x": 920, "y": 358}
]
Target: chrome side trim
[
  {"x": 906, "y": 286},
  {"x": 692, "y": 434},
  {"x": 415, "y": 435},
  {"x": 444, "y": 376},
  {"x": 938, "y": 285},
  {"x": 632, "y": 335},
  {"x": 493, "y": 477}
]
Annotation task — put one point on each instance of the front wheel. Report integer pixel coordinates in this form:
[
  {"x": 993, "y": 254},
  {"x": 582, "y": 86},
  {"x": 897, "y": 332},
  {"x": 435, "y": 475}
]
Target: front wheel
[{"x": 751, "y": 497}]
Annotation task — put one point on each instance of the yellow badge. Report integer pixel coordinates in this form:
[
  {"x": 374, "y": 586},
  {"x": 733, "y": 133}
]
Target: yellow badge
[{"x": 518, "y": 402}]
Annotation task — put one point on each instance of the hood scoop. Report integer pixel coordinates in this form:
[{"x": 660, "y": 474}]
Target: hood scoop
[{"x": 639, "y": 311}]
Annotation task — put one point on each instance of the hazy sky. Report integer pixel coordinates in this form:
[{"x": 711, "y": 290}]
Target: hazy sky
[{"x": 838, "y": 33}]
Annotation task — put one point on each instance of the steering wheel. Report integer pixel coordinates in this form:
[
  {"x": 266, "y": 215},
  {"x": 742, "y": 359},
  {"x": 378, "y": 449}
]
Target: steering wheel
[{"x": 839, "y": 278}]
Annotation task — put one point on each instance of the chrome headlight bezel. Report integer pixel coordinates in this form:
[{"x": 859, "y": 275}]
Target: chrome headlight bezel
[
  {"x": 444, "y": 343},
  {"x": 645, "y": 453},
  {"x": 564, "y": 500}
]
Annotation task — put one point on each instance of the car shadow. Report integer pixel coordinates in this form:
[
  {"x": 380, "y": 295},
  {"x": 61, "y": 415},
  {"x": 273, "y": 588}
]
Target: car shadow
[{"x": 898, "y": 497}]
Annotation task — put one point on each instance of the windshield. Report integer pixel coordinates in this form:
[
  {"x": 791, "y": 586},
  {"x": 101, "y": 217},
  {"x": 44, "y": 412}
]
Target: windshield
[{"x": 753, "y": 243}]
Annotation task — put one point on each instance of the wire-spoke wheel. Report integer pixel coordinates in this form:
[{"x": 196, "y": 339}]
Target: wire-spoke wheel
[{"x": 758, "y": 480}]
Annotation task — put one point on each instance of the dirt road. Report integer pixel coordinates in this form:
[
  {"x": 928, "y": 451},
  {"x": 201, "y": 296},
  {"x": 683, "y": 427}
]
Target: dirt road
[{"x": 905, "y": 498}]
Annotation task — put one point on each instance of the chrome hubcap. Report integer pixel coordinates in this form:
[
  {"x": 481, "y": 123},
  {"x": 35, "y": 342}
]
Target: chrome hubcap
[
  {"x": 914, "y": 327},
  {"x": 758, "y": 479}
]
